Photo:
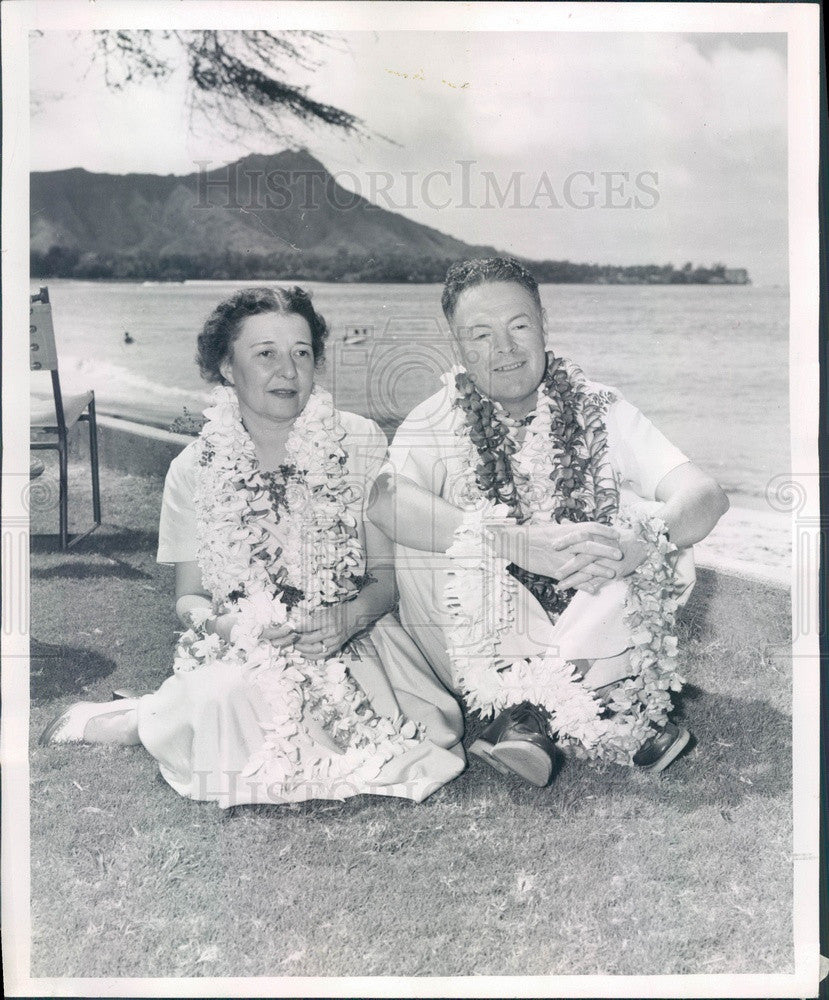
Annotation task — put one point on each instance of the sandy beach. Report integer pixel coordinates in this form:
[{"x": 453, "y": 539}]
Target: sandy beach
[{"x": 754, "y": 543}]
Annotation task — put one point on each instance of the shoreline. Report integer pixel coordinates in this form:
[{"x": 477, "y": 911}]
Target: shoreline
[{"x": 346, "y": 280}]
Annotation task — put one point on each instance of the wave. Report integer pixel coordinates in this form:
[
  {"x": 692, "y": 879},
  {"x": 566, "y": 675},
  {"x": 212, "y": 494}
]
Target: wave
[{"x": 111, "y": 381}]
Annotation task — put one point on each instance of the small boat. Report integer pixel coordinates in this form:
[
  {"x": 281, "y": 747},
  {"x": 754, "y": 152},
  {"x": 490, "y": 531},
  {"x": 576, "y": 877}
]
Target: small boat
[{"x": 356, "y": 335}]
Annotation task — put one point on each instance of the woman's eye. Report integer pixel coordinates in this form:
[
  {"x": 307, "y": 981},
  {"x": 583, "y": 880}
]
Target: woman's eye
[
  {"x": 266, "y": 354},
  {"x": 303, "y": 352}
]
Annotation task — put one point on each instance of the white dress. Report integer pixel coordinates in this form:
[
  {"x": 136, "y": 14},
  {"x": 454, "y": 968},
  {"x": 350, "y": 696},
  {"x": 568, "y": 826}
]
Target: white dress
[
  {"x": 205, "y": 726},
  {"x": 427, "y": 450}
]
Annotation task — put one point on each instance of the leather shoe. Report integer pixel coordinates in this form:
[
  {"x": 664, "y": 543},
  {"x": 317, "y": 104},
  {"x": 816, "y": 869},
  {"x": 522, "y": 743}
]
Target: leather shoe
[
  {"x": 518, "y": 742},
  {"x": 662, "y": 748}
]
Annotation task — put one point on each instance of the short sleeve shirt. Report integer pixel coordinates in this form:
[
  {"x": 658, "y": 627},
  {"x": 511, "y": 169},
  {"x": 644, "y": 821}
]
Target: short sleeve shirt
[
  {"x": 427, "y": 449},
  {"x": 364, "y": 443}
]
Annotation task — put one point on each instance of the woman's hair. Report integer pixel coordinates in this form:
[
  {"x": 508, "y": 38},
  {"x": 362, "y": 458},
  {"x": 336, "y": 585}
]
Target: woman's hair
[
  {"x": 468, "y": 273},
  {"x": 223, "y": 324}
]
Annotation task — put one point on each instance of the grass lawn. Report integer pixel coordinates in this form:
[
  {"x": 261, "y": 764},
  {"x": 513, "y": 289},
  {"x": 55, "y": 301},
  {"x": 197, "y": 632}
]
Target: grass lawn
[{"x": 606, "y": 871}]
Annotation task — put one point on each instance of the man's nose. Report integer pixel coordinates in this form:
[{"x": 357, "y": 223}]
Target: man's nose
[{"x": 503, "y": 342}]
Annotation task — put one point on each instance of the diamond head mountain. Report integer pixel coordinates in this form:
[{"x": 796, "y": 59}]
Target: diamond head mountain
[{"x": 281, "y": 216}]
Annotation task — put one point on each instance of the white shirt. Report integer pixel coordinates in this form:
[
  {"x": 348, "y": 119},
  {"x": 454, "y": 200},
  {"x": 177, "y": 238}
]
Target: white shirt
[
  {"x": 365, "y": 445},
  {"x": 427, "y": 449}
]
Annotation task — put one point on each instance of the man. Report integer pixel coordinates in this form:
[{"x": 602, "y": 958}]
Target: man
[{"x": 543, "y": 529}]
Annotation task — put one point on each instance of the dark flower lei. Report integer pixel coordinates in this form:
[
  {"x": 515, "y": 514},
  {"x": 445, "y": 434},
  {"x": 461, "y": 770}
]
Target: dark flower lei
[{"x": 578, "y": 439}]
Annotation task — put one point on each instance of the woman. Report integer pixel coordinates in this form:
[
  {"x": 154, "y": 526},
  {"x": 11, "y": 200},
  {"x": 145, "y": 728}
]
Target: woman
[{"x": 292, "y": 680}]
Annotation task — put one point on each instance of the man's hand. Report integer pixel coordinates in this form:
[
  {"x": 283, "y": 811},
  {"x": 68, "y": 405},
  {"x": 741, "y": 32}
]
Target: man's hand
[
  {"x": 583, "y": 552},
  {"x": 593, "y": 576}
]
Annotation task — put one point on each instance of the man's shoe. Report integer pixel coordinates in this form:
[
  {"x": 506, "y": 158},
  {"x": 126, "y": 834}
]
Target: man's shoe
[
  {"x": 517, "y": 742},
  {"x": 662, "y": 748}
]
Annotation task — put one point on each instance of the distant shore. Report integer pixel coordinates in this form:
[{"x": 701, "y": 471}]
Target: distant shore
[{"x": 384, "y": 268}]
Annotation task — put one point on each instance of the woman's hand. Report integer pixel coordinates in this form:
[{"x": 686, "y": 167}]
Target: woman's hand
[
  {"x": 277, "y": 635},
  {"x": 324, "y": 632},
  {"x": 280, "y": 635},
  {"x": 584, "y": 552},
  {"x": 222, "y": 625}
]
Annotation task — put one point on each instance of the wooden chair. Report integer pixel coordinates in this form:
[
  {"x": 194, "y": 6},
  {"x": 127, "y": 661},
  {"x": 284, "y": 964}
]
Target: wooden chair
[{"x": 60, "y": 414}]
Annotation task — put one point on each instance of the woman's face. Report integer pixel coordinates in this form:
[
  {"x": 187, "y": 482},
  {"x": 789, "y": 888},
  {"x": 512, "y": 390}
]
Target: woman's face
[{"x": 271, "y": 366}]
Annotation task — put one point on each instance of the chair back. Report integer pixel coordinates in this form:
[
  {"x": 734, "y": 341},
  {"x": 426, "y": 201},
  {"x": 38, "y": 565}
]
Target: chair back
[{"x": 43, "y": 355}]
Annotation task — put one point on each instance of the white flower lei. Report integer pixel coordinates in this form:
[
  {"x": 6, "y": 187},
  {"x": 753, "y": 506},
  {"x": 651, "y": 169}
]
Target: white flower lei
[
  {"x": 480, "y": 598},
  {"x": 250, "y": 555}
]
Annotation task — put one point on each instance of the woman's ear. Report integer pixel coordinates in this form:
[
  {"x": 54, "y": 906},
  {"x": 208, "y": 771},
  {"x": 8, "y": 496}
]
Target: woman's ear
[{"x": 225, "y": 370}]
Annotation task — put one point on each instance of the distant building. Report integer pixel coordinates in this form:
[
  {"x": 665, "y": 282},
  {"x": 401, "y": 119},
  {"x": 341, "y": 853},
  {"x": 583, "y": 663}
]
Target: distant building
[{"x": 736, "y": 276}]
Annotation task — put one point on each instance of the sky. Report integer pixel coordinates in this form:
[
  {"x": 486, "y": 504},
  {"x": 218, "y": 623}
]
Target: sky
[{"x": 625, "y": 148}]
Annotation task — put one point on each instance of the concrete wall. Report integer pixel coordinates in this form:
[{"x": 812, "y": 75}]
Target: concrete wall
[{"x": 129, "y": 447}]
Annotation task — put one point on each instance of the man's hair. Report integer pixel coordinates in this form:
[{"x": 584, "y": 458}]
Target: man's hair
[
  {"x": 468, "y": 273},
  {"x": 223, "y": 324}
]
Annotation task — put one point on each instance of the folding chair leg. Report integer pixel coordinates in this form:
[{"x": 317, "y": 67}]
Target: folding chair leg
[
  {"x": 93, "y": 461},
  {"x": 63, "y": 463}
]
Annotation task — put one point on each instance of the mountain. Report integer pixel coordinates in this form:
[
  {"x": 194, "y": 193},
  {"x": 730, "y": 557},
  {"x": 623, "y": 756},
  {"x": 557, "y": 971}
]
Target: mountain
[
  {"x": 286, "y": 203},
  {"x": 282, "y": 216}
]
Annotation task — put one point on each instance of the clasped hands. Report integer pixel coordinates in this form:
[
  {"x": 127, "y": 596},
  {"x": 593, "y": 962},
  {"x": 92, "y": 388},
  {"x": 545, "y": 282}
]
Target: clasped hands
[
  {"x": 579, "y": 556},
  {"x": 316, "y": 635}
]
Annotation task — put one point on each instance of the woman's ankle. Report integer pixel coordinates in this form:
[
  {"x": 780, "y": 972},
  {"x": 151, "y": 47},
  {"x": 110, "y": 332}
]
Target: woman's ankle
[{"x": 117, "y": 726}]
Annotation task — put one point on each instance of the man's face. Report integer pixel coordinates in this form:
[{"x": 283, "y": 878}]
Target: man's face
[{"x": 500, "y": 332}]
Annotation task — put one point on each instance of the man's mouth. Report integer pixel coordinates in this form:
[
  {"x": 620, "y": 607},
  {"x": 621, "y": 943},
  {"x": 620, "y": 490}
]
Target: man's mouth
[
  {"x": 511, "y": 367},
  {"x": 283, "y": 393}
]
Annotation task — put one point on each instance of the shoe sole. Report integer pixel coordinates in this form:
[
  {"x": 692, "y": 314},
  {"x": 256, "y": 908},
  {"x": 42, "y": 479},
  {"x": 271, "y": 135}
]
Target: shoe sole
[
  {"x": 123, "y": 694},
  {"x": 516, "y": 757},
  {"x": 670, "y": 755},
  {"x": 47, "y": 734}
]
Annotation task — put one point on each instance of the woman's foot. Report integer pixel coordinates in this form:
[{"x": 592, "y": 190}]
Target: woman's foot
[{"x": 93, "y": 722}]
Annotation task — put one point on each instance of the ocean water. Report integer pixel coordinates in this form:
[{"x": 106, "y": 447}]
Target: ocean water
[{"x": 708, "y": 364}]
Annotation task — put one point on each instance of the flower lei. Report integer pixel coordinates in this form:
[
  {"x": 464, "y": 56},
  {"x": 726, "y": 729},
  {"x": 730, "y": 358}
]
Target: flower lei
[
  {"x": 560, "y": 471},
  {"x": 265, "y": 548}
]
